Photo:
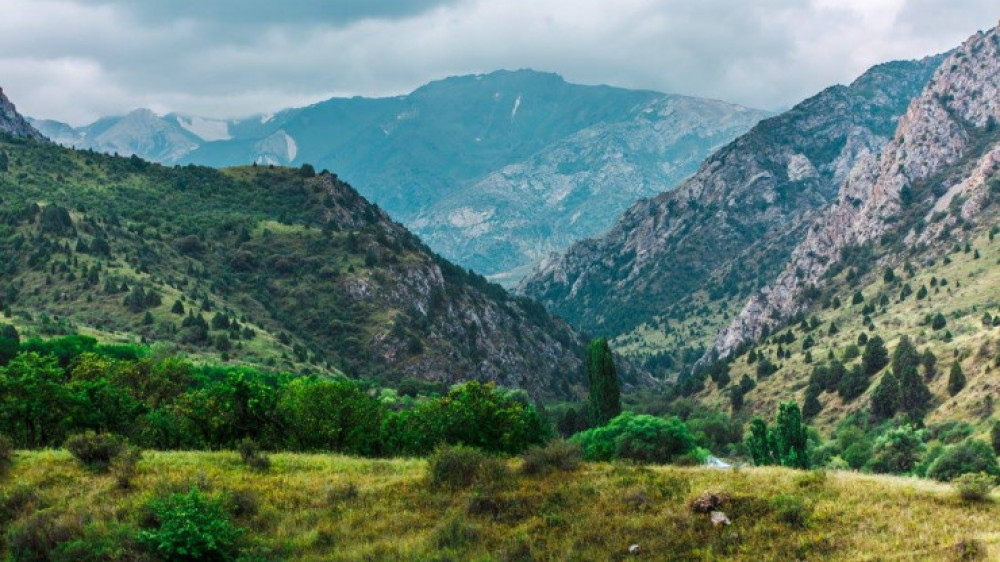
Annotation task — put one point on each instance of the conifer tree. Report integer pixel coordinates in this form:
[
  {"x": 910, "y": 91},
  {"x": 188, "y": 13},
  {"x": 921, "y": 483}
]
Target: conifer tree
[
  {"x": 605, "y": 393},
  {"x": 956, "y": 379}
]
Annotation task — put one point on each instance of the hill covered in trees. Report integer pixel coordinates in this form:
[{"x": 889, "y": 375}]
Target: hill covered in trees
[{"x": 285, "y": 269}]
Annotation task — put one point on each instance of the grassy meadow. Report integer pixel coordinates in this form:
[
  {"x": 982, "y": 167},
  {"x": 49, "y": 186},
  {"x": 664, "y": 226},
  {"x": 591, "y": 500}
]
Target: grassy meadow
[{"x": 331, "y": 507}]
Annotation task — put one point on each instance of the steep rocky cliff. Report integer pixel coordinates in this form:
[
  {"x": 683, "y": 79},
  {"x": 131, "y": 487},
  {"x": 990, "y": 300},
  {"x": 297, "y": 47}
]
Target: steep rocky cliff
[
  {"x": 729, "y": 229},
  {"x": 12, "y": 123},
  {"x": 942, "y": 155}
]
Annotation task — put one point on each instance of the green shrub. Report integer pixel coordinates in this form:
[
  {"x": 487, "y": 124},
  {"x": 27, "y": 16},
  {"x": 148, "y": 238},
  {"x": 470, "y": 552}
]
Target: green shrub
[
  {"x": 556, "y": 455},
  {"x": 125, "y": 465},
  {"x": 35, "y": 537},
  {"x": 974, "y": 486},
  {"x": 791, "y": 510},
  {"x": 95, "y": 450},
  {"x": 638, "y": 437},
  {"x": 969, "y": 456},
  {"x": 17, "y": 501},
  {"x": 456, "y": 533},
  {"x": 252, "y": 456},
  {"x": 191, "y": 526},
  {"x": 6, "y": 452},
  {"x": 458, "y": 466}
]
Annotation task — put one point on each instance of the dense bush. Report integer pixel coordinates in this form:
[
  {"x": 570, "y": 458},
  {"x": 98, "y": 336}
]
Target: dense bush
[
  {"x": 638, "y": 437},
  {"x": 898, "y": 451},
  {"x": 969, "y": 456},
  {"x": 974, "y": 486},
  {"x": 556, "y": 455},
  {"x": 72, "y": 385},
  {"x": 458, "y": 466},
  {"x": 252, "y": 456},
  {"x": 95, "y": 450},
  {"x": 191, "y": 526},
  {"x": 125, "y": 465}
]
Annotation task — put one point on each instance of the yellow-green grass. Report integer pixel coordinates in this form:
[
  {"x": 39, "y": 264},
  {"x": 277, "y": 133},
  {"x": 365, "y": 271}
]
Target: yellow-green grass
[{"x": 304, "y": 510}]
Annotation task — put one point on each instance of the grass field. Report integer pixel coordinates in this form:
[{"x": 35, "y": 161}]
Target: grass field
[{"x": 328, "y": 507}]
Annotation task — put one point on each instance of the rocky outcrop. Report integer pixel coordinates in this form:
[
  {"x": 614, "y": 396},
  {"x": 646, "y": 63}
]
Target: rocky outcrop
[
  {"x": 575, "y": 188},
  {"x": 12, "y": 123},
  {"x": 730, "y": 228},
  {"x": 945, "y": 146}
]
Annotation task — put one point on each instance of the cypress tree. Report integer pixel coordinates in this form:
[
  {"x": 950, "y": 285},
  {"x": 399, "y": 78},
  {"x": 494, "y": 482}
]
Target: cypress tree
[
  {"x": 605, "y": 394},
  {"x": 956, "y": 379}
]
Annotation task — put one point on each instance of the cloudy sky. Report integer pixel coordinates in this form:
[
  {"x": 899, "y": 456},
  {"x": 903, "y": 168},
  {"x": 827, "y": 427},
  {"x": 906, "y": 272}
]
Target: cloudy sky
[{"x": 76, "y": 60}]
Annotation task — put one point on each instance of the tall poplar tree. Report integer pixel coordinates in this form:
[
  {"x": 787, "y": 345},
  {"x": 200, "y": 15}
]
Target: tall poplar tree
[{"x": 605, "y": 393}]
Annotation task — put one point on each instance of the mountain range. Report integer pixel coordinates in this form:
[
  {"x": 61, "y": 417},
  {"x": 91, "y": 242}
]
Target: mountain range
[
  {"x": 281, "y": 268},
  {"x": 868, "y": 210},
  {"x": 493, "y": 171}
]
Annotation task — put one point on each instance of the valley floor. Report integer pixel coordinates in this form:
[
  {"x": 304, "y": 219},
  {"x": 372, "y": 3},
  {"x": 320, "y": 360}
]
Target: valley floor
[{"x": 329, "y": 507}]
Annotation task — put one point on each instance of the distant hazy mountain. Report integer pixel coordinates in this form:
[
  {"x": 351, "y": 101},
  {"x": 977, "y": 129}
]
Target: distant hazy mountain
[{"x": 494, "y": 171}]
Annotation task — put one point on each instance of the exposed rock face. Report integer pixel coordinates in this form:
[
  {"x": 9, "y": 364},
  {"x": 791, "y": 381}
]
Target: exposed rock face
[
  {"x": 730, "y": 228},
  {"x": 12, "y": 123},
  {"x": 576, "y": 187},
  {"x": 950, "y": 131}
]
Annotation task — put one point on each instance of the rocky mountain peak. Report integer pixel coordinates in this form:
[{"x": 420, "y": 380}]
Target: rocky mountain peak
[
  {"x": 12, "y": 123},
  {"x": 952, "y": 122},
  {"x": 730, "y": 227}
]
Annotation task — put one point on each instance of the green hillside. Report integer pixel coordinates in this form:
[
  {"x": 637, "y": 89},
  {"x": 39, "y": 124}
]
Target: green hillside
[{"x": 278, "y": 268}]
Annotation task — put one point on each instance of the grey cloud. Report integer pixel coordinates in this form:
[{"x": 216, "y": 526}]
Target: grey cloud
[
  {"x": 79, "y": 59},
  {"x": 267, "y": 12}
]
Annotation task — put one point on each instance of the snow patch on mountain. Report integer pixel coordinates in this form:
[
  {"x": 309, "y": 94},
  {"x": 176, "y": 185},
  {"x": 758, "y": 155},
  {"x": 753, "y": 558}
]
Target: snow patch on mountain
[{"x": 205, "y": 129}]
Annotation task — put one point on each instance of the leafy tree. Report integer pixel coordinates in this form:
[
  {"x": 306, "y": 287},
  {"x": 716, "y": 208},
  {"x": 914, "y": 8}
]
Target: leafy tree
[
  {"x": 10, "y": 342},
  {"x": 307, "y": 171},
  {"x": 785, "y": 444},
  {"x": 639, "y": 437},
  {"x": 34, "y": 403},
  {"x": 759, "y": 444},
  {"x": 969, "y": 456},
  {"x": 956, "y": 379},
  {"x": 898, "y": 450},
  {"x": 605, "y": 394},
  {"x": 330, "y": 415},
  {"x": 875, "y": 356}
]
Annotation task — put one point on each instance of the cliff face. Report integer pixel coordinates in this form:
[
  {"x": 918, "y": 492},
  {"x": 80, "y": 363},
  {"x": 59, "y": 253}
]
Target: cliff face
[
  {"x": 731, "y": 227},
  {"x": 944, "y": 152},
  {"x": 12, "y": 123}
]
